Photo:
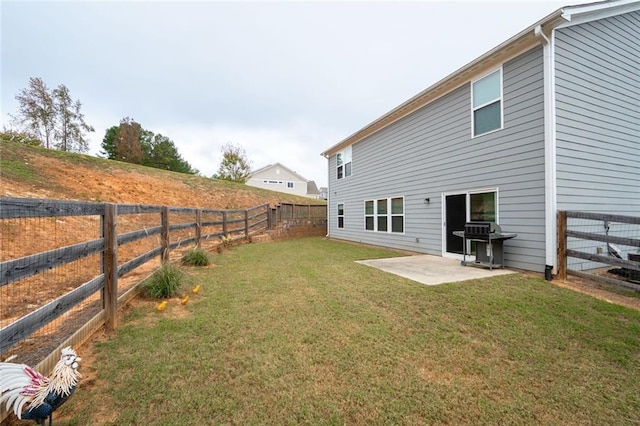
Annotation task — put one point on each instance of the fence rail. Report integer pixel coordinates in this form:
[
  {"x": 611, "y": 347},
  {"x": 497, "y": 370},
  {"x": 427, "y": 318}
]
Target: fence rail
[
  {"x": 581, "y": 253},
  {"x": 116, "y": 240}
]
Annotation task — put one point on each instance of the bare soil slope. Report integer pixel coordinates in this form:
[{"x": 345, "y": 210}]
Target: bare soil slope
[{"x": 34, "y": 172}]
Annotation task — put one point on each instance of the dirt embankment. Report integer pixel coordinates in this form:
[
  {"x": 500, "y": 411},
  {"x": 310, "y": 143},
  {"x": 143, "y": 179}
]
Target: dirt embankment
[{"x": 39, "y": 173}]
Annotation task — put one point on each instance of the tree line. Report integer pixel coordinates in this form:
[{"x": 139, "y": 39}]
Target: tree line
[
  {"x": 51, "y": 118},
  {"x": 131, "y": 143}
]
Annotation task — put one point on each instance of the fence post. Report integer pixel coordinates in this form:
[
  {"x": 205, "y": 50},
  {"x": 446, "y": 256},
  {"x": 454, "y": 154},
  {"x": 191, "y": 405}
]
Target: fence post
[
  {"x": 224, "y": 224},
  {"x": 562, "y": 245},
  {"x": 110, "y": 262},
  {"x": 198, "y": 227},
  {"x": 246, "y": 224},
  {"x": 164, "y": 238},
  {"x": 309, "y": 215}
]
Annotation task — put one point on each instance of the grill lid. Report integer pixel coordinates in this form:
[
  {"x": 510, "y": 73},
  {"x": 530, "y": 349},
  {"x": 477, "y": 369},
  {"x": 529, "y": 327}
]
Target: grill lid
[{"x": 481, "y": 228}]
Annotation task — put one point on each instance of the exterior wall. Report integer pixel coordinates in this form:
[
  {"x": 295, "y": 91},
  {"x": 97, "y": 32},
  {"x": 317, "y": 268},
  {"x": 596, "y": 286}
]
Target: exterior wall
[
  {"x": 431, "y": 152},
  {"x": 597, "y": 82},
  {"x": 284, "y": 176}
]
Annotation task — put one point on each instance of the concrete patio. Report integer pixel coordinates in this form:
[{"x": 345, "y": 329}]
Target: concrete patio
[{"x": 432, "y": 270}]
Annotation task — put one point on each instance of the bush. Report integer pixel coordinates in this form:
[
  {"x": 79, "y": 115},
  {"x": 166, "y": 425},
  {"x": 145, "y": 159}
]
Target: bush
[
  {"x": 195, "y": 257},
  {"x": 165, "y": 282}
]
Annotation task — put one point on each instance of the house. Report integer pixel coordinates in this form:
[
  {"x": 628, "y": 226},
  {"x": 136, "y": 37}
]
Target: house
[
  {"x": 548, "y": 120},
  {"x": 277, "y": 177}
]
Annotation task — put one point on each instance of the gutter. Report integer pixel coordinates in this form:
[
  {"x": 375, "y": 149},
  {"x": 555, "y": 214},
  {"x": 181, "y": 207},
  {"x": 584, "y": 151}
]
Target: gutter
[{"x": 550, "y": 187}]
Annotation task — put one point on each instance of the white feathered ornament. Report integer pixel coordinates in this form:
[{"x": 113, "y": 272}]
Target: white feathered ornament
[{"x": 22, "y": 387}]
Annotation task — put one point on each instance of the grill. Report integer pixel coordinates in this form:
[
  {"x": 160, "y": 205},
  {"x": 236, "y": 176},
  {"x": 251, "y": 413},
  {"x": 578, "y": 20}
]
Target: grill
[{"x": 489, "y": 240}]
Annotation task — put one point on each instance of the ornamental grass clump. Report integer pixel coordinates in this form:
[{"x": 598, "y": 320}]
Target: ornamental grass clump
[
  {"x": 195, "y": 257},
  {"x": 165, "y": 282}
]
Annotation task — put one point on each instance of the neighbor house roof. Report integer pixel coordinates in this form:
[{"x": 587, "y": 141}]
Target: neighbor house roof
[
  {"x": 271, "y": 166},
  {"x": 514, "y": 46}
]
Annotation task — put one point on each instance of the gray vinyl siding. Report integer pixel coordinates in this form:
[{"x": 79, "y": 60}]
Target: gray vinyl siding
[
  {"x": 598, "y": 119},
  {"x": 431, "y": 152}
]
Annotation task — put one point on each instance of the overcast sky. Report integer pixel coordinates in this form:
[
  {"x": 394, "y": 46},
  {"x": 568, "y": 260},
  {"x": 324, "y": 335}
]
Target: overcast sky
[{"x": 285, "y": 80}]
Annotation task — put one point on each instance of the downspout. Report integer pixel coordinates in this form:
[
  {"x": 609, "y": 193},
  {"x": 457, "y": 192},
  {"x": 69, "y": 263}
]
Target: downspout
[
  {"x": 551, "y": 201},
  {"x": 328, "y": 194}
]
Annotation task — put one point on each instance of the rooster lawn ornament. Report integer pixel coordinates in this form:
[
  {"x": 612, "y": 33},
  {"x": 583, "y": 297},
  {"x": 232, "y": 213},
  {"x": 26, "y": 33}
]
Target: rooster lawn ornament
[{"x": 22, "y": 386}]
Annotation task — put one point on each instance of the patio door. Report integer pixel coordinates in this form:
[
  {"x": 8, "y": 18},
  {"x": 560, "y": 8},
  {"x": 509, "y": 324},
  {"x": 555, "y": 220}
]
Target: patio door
[
  {"x": 460, "y": 208},
  {"x": 455, "y": 218}
]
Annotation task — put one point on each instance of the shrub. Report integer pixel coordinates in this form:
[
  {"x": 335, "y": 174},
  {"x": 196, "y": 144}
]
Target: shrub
[
  {"x": 165, "y": 282},
  {"x": 195, "y": 257}
]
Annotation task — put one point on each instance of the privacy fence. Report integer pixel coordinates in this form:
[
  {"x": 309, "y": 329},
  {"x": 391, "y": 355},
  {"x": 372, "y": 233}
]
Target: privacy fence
[
  {"x": 67, "y": 266},
  {"x": 603, "y": 247}
]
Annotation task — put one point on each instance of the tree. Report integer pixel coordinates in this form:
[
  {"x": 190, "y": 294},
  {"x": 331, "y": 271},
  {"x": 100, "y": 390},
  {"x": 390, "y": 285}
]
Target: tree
[
  {"x": 70, "y": 127},
  {"x": 36, "y": 112},
  {"x": 52, "y": 116},
  {"x": 235, "y": 166},
  {"x": 127, "y": 142},
  {"x": 163, "y": 154},
  {"x": 130, "y": 142},
  {"x": 108, "y": 143}
]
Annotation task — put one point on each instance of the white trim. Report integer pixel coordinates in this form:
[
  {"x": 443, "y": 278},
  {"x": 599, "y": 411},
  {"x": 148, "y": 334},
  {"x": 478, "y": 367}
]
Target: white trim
[
  {"x": 580, "y": 14},
  {"x": 501, "y": 99}
]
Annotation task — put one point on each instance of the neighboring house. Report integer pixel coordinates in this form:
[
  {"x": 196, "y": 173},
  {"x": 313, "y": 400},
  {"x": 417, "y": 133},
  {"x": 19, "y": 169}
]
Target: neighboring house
[
  {"x": 549, "y": 120},
  {"x": 323, "y": 194},
  {"x": 277, "y": 177}
]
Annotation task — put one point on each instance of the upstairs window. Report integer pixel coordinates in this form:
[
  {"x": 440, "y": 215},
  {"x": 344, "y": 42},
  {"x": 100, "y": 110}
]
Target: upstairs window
[
  {"x": 486, "y": 97},
  {"x": 343, "y": 163}
]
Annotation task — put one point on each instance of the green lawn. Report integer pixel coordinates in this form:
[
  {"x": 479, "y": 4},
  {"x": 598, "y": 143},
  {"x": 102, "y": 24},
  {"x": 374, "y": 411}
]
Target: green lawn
[{"x": 297, "y": 332}]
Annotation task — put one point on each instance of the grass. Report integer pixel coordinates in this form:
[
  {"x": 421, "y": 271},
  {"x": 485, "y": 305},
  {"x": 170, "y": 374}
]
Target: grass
[
  {"x": 195, "y": 257},
  {"x": 296, "y": 332},
  {"x": 165, "y": 282}
]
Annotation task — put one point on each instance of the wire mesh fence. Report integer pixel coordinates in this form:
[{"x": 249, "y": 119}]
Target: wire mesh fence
[
  {"x": 53, "y": 264},
  {"x": 38, "y": 237},
  {"x": 600, "y": 246}
]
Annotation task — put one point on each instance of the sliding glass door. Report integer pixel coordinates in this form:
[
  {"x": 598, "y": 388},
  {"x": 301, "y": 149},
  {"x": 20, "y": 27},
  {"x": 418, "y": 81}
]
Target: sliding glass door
[{"x": 462, "y": 207}]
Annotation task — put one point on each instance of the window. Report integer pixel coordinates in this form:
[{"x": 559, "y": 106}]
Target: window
[
  {"x": 341, "y": 215},
  {"x": 384, "y": 215},
  {"x": 397, "y": 215},
  {"x": 486, "y": 96},
  {"x": 368, "y": 216},
  {"x": 289, "y": 184},
  {"x": 483, "y": 207},
  {"x": 343, "y": 163}
]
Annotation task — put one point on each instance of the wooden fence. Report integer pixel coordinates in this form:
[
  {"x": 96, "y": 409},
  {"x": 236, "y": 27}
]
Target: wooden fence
[
  {"x": 163, "y": 230},
  {"x": 288, "y": 211},
  {"x": 596, "y": 242}
]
